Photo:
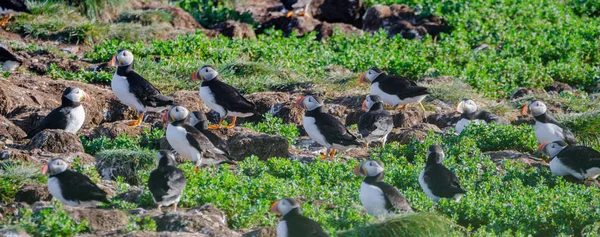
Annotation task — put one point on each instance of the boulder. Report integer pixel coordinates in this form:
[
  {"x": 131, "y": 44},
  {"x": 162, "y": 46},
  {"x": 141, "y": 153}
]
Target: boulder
[
  {"x": 559, "y": 87},
  {"x": 401, "y": 19},
  {"x": 31, "y": 193},
  {"x": 101, "y": 219},
  {"x": 261, "y": 145},
  {"x": 236, "y": 29},
  {"x": 419, "y": 131},
  {"x": 115, "y": 129},
  {"x": 267, "y": 231},
  {"x": 374, "y": 17},
  {"x": 326, "y": 30},
  {"x": 190, "y": 100},
  {"x": 297, "y": 24},
  {"x": 408, "y": 117},
  {"x": 9, "y": 130},
  {"x": 56, "y": 141},
  {"x": 206, "y": 219},
  {"x": 499, "y": 157},
  {"x": 27, "y": 118},
  {"x": 343, "y": 11}
]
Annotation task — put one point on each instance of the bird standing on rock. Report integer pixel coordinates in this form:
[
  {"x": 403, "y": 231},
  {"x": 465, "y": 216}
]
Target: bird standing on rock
[
  {"x": 166, "y": 182},
  {"x": 436, "y": 180},
  {"x": 470, "y": 114},
  {"x": 135, "y": 91},
  {"x": 547, "y": 128},
  {"x": 376, "y": 124},
  {"x": 72, "y": 188},
  {"x": 12, "y": 7},
  {"x": 578, "y": 161},
  {"x": 377, "y": 197},
  {"x": 223, "y": 98},
  {"x": 293, "y": 223},
  {"x": 325, "y": 129},
  {"x": 394, "y": 90},
  {"x": 69, "y": 116}
]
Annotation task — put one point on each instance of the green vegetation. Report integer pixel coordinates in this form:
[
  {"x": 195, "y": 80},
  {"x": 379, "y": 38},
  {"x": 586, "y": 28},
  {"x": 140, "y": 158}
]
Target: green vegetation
[
  {"x": 209, "y": 13},
  {"x": 275, "y": 126},
  {"x": 13, "y": 175},
  {"x": 50, "y": 222},
  {"x": 126, "y": 163},
  {"x": 419, "y": 224},
  {"x": 148, "y": 140}
]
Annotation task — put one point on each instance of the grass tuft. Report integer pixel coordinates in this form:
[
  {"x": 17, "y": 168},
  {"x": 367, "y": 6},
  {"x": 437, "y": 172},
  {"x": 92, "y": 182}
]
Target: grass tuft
[
  {"x": 418, "y": 224},
  {"x": 125, "y": 163}
]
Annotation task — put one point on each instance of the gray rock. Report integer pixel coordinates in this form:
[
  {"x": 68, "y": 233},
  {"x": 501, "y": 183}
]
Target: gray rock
[
  {"x": 261, "y": 145},
  {"x": 206, "y": 219},
  {"x": 56, "y": 141}
]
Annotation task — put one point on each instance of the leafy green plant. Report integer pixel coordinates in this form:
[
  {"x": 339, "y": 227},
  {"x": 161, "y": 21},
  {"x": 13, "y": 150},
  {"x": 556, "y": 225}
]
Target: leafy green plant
[
  {"x": 275, "y": 126},
  {"x": 418, "y": 224},
  {"x": 137, "y": 223},
  {"x": 50, "y": 222},
  {"x": 497, "y": 137},
  {"x": 210, "y": 13},
  {"x": 13, "y": 175}
]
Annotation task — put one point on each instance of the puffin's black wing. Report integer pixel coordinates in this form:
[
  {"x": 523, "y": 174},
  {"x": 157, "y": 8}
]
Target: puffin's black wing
[
  {"x": 216, "y": 141},
  {"x": 394, "y": 200},
  {"x": 78, "y": 187},
  {"x": 375, "y": 122},
  {"x": 230, "y": 98},
  {"x": 442, "y": 182},
  {"x": 56, "y": 119},
  {"x": 488, "y": 117},
  {"x": 579, "y": 158},
  {"x": 301, "y": 226},
  {"x": 201, "y": 142},
  {"x": 569, "y": 137},
  {"x": 15, "y": 5},
  {"x": 334, "y": 131},
  {"x": 7, "y": 55},
  {"x": 166, "y": 181},
  {"x": 392, "y": 85},
  {"x": 145, "y": 92}
]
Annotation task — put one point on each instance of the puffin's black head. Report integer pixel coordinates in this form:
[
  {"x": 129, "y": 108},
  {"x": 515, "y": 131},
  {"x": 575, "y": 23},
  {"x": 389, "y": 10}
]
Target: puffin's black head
[
  {"x": 122, "y": 58},
  {"x": 553, "y": 148},
  {"x": 370, "y": 75},
  {"x": 467, "y": 106},
  {"x": 205, "y": 73},
  {"x": 175, "y": 113},
  {"x": 284, "y": 206},
  {"x": 369, "y": 168},
  {"x": 536, "y": 108},
  {"x": 371, "y": 100},
  {"x": 74, "y": 96},
  {"x": 309, "y": 103},
  {"x": 435, "y": 154},
  {"x": 55, "y": 166},
  {"x": 198, "y": 117},
  {"x": 166, "y": 158}
]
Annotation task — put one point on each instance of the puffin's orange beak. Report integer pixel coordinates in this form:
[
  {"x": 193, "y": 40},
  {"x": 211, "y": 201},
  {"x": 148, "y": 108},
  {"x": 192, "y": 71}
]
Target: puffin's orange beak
[
  {"x": 87, "y": 97},
  {"x": 357, "y": 170},
  {"x": 460, "y": 107},
  {"x": 541, "y": 147},
  {"x": 195, "y": 75},
  {"x": 273, "y": 208},
  {"x": 364, "y": 105},
  {"x": 113, "y": 61},
  {"x": 164, "y": 116},
  {"x": 299, "y": 101},
  {"x": 45, "y": 169},
  {"x": 524, "y": 109},
  {"x": 362, "y": 78}
]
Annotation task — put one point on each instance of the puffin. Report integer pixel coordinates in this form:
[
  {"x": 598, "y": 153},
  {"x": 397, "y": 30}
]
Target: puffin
[
  {"x": 135, "y": 91},
  {"x": 69, "y": 116},
  {"x": 72, "y": 188},
  {"x": 9, "y": 60},
  {"x": 470, "y": 114},
  {"x": 166, "y": 182},
  {"x": 376, "y": 124},
  {"x": 394, "y": 90},
  {"x": 199, "y": 121},
  {"x": 293, "y": 223},
  {"x": 547, "y": 128},
  {"x": 377, "y": 197},
  {"x": 12, "y": 7},
  {"x": 325, "y": 129},
  {"x": 296, "y": 7},
  {"x": 436, "y": 180},
  {"x": 189, "y": 142},
  {"x": 222, "y": 98},
  {"x": 581, "y": 162}
]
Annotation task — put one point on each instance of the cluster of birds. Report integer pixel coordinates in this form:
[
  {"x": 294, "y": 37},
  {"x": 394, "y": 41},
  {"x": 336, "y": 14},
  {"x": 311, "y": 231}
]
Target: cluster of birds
[{"x": 189, "y": 135}]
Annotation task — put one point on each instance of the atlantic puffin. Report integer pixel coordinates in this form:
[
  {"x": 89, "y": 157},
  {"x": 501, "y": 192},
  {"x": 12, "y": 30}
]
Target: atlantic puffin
[
  {"x": 223, "y": 98},
  {"x": 69, "y": 116},
  {"x": 293, "y": 223},
  {"x": 199, "y": 121},
  {"x": 188, "y": 141},
  {"x": 135, "y": 91},
  {"x": 12, "y": 7},
  {"x": 578, "y": 161},
  {"x": 325, "y": 129},
  {"x": 377, "y": 197},
  {"x": 394, "y": 90},
  {"x": 166, "y": 182},
  {"x": 296, "y": 7},
  {"x": 377, "y": 123},
  {"x": 470, "y": 114},
  {"x": 72, "y": 188},
  {"x": 9, "y": 60},
  {"x": 547, "y": 128},
  {"x": 436, "y": 180}
]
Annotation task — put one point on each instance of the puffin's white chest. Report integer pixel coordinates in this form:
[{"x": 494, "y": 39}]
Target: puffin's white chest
[
  {"x": 313, "y": 131},
  {"x": 548, "y": 132},
  {"x": 558, "y": 168},
  {"x": 120, "y": 86},
  {"x": 208, "y": 98},
  {"x": 282, "y": 229},
  {"x": 75, "y": 119},
  {"x": 177, "y": 138},
  {"x": 385, "y": 97},
  {"x": 462, "y": 123},
  {"x": 372, "y": 200},
  {"x": 425, "y": 187},
  {"x": 56, "y": 191}
]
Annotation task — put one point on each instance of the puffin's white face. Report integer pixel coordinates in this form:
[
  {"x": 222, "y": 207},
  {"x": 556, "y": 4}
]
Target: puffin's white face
[
  {"x": 284, "y": 206},
  {"x": 370, "y": 101},
  {"x": 308, "y": 102},
  {"x": 467, "y": 106},
  {"x": 205, "y": 73},
  {"x": 178, "y": 113},
  {"x": 370, "y": 75},
  {"x": 122, "y": 58},
  {"x": 76, "y": 95},
  {"x": 536, "y": 108},
  {"x": 553, "y": 148},
  {"x": 55, "y": 166},
  {"x": 369, "y": 168}
]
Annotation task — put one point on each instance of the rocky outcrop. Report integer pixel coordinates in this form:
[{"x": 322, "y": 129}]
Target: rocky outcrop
[
  {"x": 56, "y": 141},
  {"x": 342, "y": 11},
  {"x": 101, "y": 219},
  {"x": 236, "y": 29},
  {"x": 113, "y": 130},
  {"x": 261, "y": 145},
  {"x": 401, "y": 19},
  {"x": 267, "y": 231},
  {"x": 408, "y": 117},
  {"x": 32, "y": 193},
  {"x": 326, "y": 30},
  {"x": 499, "y": 157},
  {"x": 279, "y": 104},
  {"x": 9, "y": 130},
  {"x": 206, "y": 219},
  {"x": 419, "y": 131}
]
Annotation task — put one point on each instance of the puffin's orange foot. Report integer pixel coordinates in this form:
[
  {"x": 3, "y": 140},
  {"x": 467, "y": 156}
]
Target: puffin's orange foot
[
  {"x": 289, "y": 14},
  {"x": 214, "y": 126},
  {"x": 401, "y": 107},
  {"x": 229, "y": 126},
  {"x": 133, "y": 123}
]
